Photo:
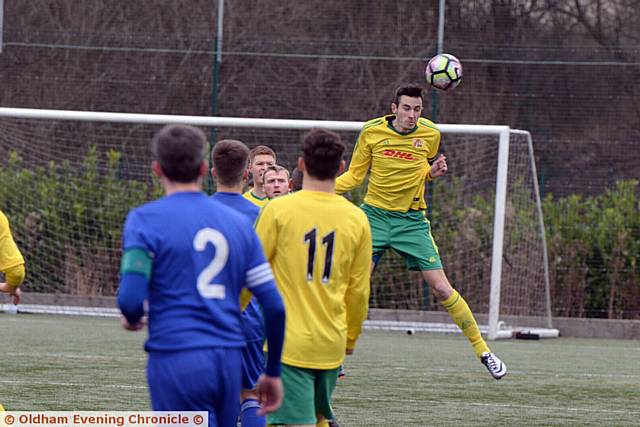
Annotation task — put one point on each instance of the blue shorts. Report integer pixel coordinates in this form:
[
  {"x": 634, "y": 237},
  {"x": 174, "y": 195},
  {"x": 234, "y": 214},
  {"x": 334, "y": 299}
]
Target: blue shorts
[
  {"x": 252, "y": 364},
  {"x": 197, "y": 380}
]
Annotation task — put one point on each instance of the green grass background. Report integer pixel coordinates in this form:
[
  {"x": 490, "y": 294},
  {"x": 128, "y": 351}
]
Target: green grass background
[{"x": 393, "y": 379}]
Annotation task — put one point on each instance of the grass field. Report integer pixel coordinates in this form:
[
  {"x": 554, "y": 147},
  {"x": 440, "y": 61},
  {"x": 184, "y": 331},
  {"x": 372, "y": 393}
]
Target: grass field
[{"x": 81, "y": 363}]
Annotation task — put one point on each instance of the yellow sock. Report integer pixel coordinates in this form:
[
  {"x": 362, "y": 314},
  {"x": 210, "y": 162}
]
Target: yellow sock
[
  {"x": 463, "y": 317},
  {"x": 323, "y": 423}
]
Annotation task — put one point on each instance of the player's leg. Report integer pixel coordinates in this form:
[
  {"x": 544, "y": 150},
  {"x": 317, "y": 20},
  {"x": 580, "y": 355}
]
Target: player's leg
[
  {"x": 412, "y": 238},
  {"x": 252, "y": 368},
  {"x": 196, "y": 380},
  {"x": 298, "y": 406},
  {"x": 324, "y": 386}
]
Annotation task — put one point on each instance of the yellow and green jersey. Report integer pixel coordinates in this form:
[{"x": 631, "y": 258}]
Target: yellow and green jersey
[
  {"x": 319, "y": 248},
  {"x": 10, "y": 256},
  {"x": 398, "y": 163},
  {"x": 258, "y": 201}
]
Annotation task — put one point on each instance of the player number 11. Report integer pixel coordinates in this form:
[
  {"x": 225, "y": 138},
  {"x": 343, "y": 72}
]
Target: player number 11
[{"x": 327, "y": 241}]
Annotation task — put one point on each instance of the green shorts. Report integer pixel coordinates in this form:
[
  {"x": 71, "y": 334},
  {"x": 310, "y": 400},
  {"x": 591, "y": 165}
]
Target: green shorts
[
  {"x": 307, "y": 392},
  {"x": 407, "y": 233}
]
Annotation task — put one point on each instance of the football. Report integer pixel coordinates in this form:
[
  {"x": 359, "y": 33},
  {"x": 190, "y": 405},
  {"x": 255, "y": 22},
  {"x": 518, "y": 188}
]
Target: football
[{"x": 444, "y": 72}]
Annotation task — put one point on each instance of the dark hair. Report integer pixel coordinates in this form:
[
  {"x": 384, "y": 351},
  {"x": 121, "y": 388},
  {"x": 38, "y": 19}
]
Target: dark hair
[
  {"x": 322, "y": 152},
  {"x": 296, "y": 179},
  {"x": 230, "y": 158},
  {"x": 411, "y": 90},
  {"x": 179, "y": 149},
  {"x": 261, "y": 150}
]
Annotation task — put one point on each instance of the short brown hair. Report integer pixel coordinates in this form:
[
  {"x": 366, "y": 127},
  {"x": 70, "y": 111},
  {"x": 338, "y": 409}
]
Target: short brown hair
[
  {"x": 276, "y": 169},
  {"x": 179, "y": 149},
  {"x": 261, "y": 150},
  {"x": 230, "y": 158},
  {"x": 410, "y": 90},
  {"x": 322, "y": 152},
  {"x": 296, "y": 179}
]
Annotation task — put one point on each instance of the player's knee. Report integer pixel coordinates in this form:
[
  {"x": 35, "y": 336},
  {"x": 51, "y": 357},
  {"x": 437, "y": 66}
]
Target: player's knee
[
  {"x": 441, "y": 290},
  {"x": 15, "y": 275}
]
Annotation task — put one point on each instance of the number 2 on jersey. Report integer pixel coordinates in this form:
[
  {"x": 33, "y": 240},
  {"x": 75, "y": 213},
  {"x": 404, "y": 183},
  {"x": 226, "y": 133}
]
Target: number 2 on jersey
[
  {"x": 328, "y": 241},
  {"x": 208, "y": 275}
]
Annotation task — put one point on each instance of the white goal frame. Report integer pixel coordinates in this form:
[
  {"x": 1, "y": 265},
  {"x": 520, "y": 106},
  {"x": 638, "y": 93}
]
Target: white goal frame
[{"x": 494, "y": 329}]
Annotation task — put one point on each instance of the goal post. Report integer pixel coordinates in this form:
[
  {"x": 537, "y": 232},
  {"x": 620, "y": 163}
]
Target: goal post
[{"x": 516, "y": 202}]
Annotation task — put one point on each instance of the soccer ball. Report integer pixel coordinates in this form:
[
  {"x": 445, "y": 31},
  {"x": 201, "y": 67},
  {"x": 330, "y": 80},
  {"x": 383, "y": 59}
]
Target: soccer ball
[{"x": 444, "y": 72}]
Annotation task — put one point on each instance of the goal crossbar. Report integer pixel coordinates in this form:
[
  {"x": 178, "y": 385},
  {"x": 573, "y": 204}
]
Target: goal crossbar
[{"x": 501, "y": 132}]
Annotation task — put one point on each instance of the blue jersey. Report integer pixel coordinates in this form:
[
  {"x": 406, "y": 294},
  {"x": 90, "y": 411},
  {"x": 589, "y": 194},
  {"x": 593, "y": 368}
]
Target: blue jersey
[
  {"x": 193, "y": 291},
  {"x": 251, "y": 317},
  {"x": 239, "y": 203}
]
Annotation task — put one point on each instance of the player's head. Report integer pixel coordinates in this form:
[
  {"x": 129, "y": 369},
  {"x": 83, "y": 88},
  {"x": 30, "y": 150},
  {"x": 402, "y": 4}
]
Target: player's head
[
  {"x": 322, "y": 152},
  {"x": 295, "y": 182},
  {"x": 407, "y": 106},
  {"x": 179, "y": 153},
  {"x": 260, "y": 158},
  {"x": 230, "y": 160},
  {"x": 276, "y": 181}
]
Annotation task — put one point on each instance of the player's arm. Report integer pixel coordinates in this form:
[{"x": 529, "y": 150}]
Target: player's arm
[
  {"x": 357, "y": 295},
  {"x": 11, "y": 262},
  {"x": 135, "y": 274},
  {"x": 260, "y": 281},
  {"x": 358, "y": 168},
  {"x": 136, "y": 267}
]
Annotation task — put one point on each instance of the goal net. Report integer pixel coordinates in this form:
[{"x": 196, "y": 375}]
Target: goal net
[{"x": 68, "y": 180}]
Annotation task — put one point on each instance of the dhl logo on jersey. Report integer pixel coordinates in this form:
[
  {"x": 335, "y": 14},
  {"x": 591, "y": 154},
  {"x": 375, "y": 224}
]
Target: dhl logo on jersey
[{"x": 399, "y": 154}]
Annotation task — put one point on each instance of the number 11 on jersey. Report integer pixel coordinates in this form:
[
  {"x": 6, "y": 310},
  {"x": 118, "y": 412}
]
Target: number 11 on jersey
[{"x": 327, "y": 241}]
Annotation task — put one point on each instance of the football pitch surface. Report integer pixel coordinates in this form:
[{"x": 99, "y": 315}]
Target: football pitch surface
[{"x": 60, "y": 363}]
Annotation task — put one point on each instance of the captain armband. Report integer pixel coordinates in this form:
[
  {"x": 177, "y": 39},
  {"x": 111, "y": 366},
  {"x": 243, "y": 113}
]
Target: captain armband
[{"x": 136, "y": 261}]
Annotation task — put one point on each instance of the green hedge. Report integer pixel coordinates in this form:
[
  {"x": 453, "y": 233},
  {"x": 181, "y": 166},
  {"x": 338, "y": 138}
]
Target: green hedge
[{"x": 67, "y": 219}]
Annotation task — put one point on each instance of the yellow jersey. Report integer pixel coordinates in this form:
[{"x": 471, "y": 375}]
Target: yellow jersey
[
  {"x": 398, "y": 163},
  {"x": 10, "y": 256},
  {"x": 259, "y": 202},
  {"x": 319, "y": 248}
]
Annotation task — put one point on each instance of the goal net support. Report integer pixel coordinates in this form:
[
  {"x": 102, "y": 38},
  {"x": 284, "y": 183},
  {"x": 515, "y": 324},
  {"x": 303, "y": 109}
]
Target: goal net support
[{"x": 68, "y": 179}]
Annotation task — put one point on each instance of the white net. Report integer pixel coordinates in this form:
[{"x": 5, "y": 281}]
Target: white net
[{"x": 68, "y": 185}]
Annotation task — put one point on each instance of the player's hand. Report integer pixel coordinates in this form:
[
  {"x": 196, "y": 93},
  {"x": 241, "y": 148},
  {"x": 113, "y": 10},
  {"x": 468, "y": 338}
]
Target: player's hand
[
  {"x": 132, "y": 327},
  {"x": 270, "y": 393},
  {"x": 349, "y": 351},
  {"x": 439, "y": 166},
  {"x": 15, "y": 293}
]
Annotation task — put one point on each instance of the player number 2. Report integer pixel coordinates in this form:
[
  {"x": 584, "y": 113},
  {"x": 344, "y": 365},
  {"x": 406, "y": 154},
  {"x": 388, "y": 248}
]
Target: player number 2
[
  {"x": 205, "y": 286},
  {"x": 327, "y": 241}
]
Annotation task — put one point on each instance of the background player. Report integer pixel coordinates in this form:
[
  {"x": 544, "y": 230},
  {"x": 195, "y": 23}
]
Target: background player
[
  {"x": 190, "y": 256},
  {"x": 396, "y": 150},
  {"x": 229, "y": 168},
  {"x": 319, "y": 246},
  {"x": 276, "y": 181},
  {"x": 260, "y": 158},
  {"x": 11, "y": 262},
  {"x": 295, "y": 183}
]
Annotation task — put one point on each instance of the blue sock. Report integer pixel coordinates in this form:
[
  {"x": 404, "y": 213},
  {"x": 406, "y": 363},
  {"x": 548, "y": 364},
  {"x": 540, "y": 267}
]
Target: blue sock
[{"x": 249, "y": 414}]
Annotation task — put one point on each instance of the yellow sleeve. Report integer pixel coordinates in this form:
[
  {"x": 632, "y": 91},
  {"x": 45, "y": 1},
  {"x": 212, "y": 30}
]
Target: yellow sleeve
[
  {"x": 245, "y": 298},
  {"x": 15, "y": 275},
  {"x": 433, "y": 152},
  {"x": 10, "y": 255},
  {"x": 358, "y": 168},
  {"x": 357, "y": 296}
]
